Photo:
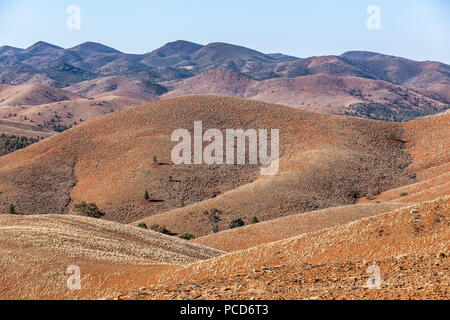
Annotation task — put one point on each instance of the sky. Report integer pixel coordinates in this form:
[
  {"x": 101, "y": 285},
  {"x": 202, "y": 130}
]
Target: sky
[{"x": 415, "y": 29}]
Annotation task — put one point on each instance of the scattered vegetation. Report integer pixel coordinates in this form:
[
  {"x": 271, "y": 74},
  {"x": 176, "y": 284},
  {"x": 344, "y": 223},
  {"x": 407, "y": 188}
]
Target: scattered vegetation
[
  {"x": 9, "y": 144},
  {"x": 88, "y": 209},
  {"x": 255, "y": 220},
  {"x": 142, "y": 226}
]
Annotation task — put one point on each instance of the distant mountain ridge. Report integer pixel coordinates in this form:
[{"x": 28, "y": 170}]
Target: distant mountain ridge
[{"x": 158, "y": 72}]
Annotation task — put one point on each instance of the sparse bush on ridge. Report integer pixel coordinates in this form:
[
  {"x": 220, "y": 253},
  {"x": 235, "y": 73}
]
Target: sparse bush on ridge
[
  {"x": 237, "y": 223},
  {"x": 187, "y": 236},
  {"x": 161, "y": 229},
  {"x": 213, "y": 217},
  {"x": 255, "y": 220},
  {"x": 11, "y": 209},
  {"x": 88, "y": 209}
]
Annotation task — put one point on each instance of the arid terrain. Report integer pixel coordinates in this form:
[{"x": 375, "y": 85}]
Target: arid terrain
[
  {"x": 351, "y": 193},
  {"x": 363, "y": 186}
]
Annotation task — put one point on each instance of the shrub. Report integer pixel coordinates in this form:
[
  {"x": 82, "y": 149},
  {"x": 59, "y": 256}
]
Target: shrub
[
  {"x": 187, "y": 236},
  {"x": 213, "y": 217},
  {"x": 142, "y": 226},
  {"x": 11, "y": 209},
  {"x": 88, "y": 209},
  {"x": 403, "y": 194},
  {"x": 255, "y": 220},
  {"x": 161, "y": 229},
  {"x": 237, "y": 223},
  {"x": 146, "y": 195},
  {"x": 155, "y": 160}
]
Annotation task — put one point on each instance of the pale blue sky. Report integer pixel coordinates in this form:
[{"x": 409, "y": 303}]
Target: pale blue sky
[{"x": 416, "y": 29}]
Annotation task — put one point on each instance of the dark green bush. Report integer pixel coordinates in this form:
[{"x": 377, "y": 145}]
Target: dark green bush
[
  {"x": 237, "y": 223},
  {"x": 88, "y": 209},
  {"x": 187, "y": 236}
]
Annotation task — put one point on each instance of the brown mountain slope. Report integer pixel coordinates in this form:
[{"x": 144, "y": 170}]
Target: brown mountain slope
[
  {"x": 428, "y": 142},
  {"x": 35, "y": 253},
  {"x": 118, "y": 86},
  {"x": 323, "y": 93},
  {"x": 326, "y": 161},
  {"x": 428, "y": 137},
  {"x": 291, "y": 226},
  {"x": 67, "y": 113},
  {"x": 410, "y": 246},
  {"x": 32, "y": 95}
]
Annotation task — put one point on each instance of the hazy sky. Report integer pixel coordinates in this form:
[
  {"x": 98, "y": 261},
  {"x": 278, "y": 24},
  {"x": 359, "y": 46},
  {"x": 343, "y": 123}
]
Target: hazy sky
[{"x": 416, "y": 29}]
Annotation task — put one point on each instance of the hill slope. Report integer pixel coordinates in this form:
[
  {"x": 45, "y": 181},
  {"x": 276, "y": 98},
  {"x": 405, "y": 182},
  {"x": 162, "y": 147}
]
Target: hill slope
[
  {"x": 326, "y": 161},
  {"x": 36, "y": 252},
  {"x": 409, "y": 246},
  {"x": 361, "y": 97}
]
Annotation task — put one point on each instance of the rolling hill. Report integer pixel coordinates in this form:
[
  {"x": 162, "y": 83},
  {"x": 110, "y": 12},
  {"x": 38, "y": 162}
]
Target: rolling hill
[
  {"x": 107, "y": 254},
  {"x": 108, "y": 160},
  {"x": 334, "y": 209}
]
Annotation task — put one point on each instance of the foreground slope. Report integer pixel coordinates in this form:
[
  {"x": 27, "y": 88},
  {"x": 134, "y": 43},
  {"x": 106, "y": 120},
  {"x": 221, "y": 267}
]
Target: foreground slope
[
  {"x": 291, "y": 226},
  {"x": 36, "y": 251},
  {"x": 410, "y": 246}
]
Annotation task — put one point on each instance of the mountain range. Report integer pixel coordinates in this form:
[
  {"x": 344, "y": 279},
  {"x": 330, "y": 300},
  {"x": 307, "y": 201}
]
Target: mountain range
[{"x": 356, "y": 83}]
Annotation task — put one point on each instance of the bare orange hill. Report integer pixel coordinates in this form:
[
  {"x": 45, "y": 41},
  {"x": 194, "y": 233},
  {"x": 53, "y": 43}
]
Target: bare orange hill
[
  {"x": 326, "y": 161},
  {"x": 32, "y": 95},
  {"x": 37, "y": 110}
]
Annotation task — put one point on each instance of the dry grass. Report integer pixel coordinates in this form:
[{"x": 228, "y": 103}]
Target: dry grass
[
  {"x": 35, "y": 252},
  {"x": 291, "y": 226},
  {"x": 411, "y": 248}
]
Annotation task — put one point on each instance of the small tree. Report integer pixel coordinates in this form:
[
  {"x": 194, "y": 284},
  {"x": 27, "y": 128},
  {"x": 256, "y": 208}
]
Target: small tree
[
  {"x": 88, "y": 209},
  {"x": 155, "y": 160},
  {"x": 255, "y": 220},
  {"x": 142, "y": 226},
  {"x": 146, "y": 195},
  {"x": 12, "y": 209},
  {"x": 237, "y": 223},
  {"x": 213, "y": 217}
]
